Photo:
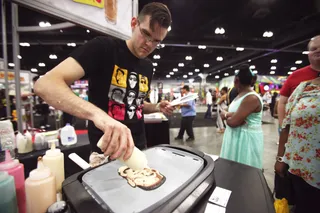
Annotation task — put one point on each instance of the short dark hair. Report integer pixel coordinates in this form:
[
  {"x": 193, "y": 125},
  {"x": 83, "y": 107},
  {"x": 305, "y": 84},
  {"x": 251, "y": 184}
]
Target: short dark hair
[
  {"x": 246, "y": 76},
  {"x": 224, "y": 89},
  {"x": 158, "y": 12},
  {"x": 186, "y": 87}
]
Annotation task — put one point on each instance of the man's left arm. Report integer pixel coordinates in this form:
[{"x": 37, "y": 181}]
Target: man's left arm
[{"x": 163, "y": 106}]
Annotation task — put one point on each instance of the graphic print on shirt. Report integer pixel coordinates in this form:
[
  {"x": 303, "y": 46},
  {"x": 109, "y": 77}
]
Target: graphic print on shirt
[
  {"x": 143, "y": 83},
  {"x": 126, "y": 94},
  {"x": 119, "y": 77},
  {"x": 133, "y": 80}
]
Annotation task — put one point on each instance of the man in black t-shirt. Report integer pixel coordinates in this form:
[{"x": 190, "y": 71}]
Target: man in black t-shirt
[{"x": 119, "y": 80}]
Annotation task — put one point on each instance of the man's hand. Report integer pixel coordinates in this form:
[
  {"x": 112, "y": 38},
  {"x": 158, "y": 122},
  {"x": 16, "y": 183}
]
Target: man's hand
[
  {"x": 166, "y": 108},
  {"x": 117, "y": 139},
  {"x": 279, "y": 168}
]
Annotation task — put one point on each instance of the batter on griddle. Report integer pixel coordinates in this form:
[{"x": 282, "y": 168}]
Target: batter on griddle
[{"x": 147, "y": 178}]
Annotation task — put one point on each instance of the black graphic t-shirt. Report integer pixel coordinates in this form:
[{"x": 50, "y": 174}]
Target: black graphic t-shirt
[{"x": 118, "y": 84}]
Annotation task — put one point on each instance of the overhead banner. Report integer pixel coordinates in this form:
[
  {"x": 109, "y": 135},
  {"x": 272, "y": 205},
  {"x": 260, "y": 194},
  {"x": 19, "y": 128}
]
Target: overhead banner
[{"x": 110, "y": 17}]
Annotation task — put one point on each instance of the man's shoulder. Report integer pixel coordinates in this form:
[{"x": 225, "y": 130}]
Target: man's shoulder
[{"x": 301, "y": 72}]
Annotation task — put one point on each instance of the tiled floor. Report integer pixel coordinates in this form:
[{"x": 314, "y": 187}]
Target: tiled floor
[{"x": 209, "y": 141}]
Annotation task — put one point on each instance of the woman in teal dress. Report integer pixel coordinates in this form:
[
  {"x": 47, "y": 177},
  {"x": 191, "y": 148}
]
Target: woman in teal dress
[{"x": 243, "y": 137}]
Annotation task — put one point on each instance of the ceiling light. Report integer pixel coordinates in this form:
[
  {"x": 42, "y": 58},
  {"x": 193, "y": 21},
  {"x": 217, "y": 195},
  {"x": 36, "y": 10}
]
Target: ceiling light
[
  {"x": 162, "y": 45},
  {"x": 191, "y": 80},
  {"x": 19, "y": 56},
  {"x": 42, "y": 64},
  {"x": 255, "y": 71},
  {"x": 171, "y": 73},
  {"x": 53, "y": 56},
  {"x": 219, "y": 58},
  {"x": 189, "y": 58},
  {"x": 217, "y": 76},
  {"x": 202, "y": 47},
  {"x": 236, "y": 71},
  {"x": 190, "y": 73},
  {"x": 206, "y": 65},
  {"x": 34, "y": 70},
  {"x": 181, "y": 64},
  {"x": 266, "y": 87},
  {"x": 293, "y": 68},
  {"x": 156, "y": 57},
  {"x": 289, "y": 73},
  {"x": 226, "y": 74},
  {"x": 88, "y": 31},
  {"x": 71, "y": 44},
  {"x": 169, "y": 28},
  {"x": 11, "y": 64},
  {"x": 252, "y": 67},
  {"x": 230, "y": 67},
  {"x": 239, "y": 49},
  {"x": 267, "y": 34},
  {"x": 168, "y": 76},
  {"x": 154, "y": 69},
  {"x": 272, "y": 72},
  {"x": 61, "y": 31},
  {"x": 24, "y": 44},
  {"x": 175, "y": 70},
  {"x": 219, "y": 30},
  {"x": 155, "y": 64},
  {"x": 273, "y": 68},
  {"x": 185, "y": 76},
  {"x": 274, "y": 61},
  {"x": 44, "y": 24},
  {"x": 196, "y": 70},
  {"x": 249, "y": 60},
  {"x": 299, "y": 62},
  {"x": 305, "y": 52}
]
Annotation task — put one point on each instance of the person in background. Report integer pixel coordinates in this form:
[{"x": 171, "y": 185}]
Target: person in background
[
  {"x": 188, "y": 112},
  {"x": 273, "y": 103},
  {"x": 107, "y": 63},
  {"x": 243, "y": 138},
  {"x": 267, "y": 98},
  {"x": 232, "y": 94},
  {"x": 299, "y": 146},
  {"x": 221, "y": 106},
  {"x": 209, "y": 104},
  {"x": 304, "y": 74}
]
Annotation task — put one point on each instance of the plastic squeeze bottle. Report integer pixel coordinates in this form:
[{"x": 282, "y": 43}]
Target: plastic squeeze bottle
[
  {"x": 16, "y": 169},
  {"x": 136, "y": 161},
  {"x": 54, "y": 160},
  {"x": 8, "y": 201},
  {"x": 40, "y": 189}
]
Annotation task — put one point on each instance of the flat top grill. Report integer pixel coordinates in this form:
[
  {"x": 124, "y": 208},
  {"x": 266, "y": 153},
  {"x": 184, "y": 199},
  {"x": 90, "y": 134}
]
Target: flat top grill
[{"x": 114, "y": 193}]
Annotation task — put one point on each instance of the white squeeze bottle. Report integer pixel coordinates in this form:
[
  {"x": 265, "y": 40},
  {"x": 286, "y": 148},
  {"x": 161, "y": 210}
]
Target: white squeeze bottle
[
  {"x": 68, "y": 135},
  {"x": 137, "y": 161},
  {"x": 54, "y": 160},
  {"x": 40, "y": 189}
]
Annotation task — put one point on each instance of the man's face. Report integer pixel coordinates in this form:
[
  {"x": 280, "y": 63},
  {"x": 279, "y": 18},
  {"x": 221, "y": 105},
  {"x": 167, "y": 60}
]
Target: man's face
[
  {"x": 133, "y": 81},
  {"x": 131, "y": 97},
  {"x": 131, "y": 111},
  {"x": 144, "y": 39},
  {"x": 119, "y": 75},
  {"x": 314, "y": 52}
]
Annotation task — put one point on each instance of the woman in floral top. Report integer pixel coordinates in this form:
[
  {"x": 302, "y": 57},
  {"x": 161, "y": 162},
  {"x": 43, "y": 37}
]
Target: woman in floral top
[{"x": 299, "y": 146}]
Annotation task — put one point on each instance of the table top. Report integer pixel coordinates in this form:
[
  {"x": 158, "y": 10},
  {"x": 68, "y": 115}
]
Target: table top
[{"x": 250, "y": 192}]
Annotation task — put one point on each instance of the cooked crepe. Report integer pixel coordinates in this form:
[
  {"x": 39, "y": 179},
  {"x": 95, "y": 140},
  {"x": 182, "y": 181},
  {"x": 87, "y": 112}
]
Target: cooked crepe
[{"x": 147, "y": 178}]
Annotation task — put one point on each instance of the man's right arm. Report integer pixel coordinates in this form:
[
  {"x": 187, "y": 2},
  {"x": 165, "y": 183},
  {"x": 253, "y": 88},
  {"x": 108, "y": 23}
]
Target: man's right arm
[{"x": 54, "y": 89}]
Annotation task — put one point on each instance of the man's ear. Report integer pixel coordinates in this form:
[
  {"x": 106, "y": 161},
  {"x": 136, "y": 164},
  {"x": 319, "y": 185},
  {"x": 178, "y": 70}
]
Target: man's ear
[{"x": 134, "y": 22}]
